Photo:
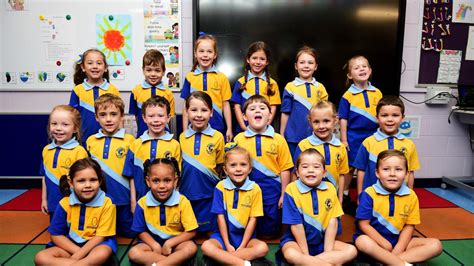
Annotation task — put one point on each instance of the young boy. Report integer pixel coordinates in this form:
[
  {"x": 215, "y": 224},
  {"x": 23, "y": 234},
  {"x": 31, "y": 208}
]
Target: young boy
[
  {"x": 387, "y": 215},
  {"x": 109, "y": 147},
  {"x": 271, "y": 161},
  {"x": 153, "y": 69},
  {"x": 390, "y": 113},
  {"x": 156, "y": 142}
]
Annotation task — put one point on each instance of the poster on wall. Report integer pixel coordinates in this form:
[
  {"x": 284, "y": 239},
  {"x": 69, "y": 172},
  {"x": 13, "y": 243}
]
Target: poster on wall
[
  {"x": 410, "y": 126},
  {"x": 57, "y": 43},
  {"x": 161, "y": 30},
  {"x": 449, "y": 66},
  {"x": 15, "y": 5},
  {"x": 114, "y": 38},
  {"x": 463, "y": 11}
]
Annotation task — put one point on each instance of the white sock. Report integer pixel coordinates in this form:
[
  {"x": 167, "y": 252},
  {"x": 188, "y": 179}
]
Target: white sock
[
  {"x": 346, "y": 192},
  {"x": 408, "y": 264},
  {"x": 247, "y": 263}
]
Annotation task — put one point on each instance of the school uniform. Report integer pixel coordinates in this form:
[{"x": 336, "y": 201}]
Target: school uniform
[
  {"x": 270, "y": 157},
  {"x": 80, "y": 222},
  {"x": 358, "y": 107},
  {"x": 140, "y": 94},
  {"x": 313, "y": 207},
  {"x": 388, "y": 212},
  {"x": 335, "y": 156},
  {"x": 56, "y": 162},
  {"x": 298, "y": 98},
  {"x": 82, "y": 98},
  {"x": 164, "y": 220},
  {"x": 110, "y": 153},
  {"x": 238, "y": 205},
  {"x": 216, "y": 85},
  {"x": 146, "y": 147},
  {"x": 375, "y": 144},
  {"x": 255, "y": 85},
  {"x": 202, "y": 152}
]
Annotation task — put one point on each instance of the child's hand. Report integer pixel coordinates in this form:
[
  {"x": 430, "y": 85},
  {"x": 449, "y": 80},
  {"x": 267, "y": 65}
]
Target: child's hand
[
  {"x": 77, "y": 256},
  {"x": 44, "y": 206},
  {"x": 156, "y": 248},
  {"x": 166, "y": 249},
  {"x": 133, "y": 204},
  {"x": 386, "y": 245},
  {"x": 346, "y": 144},
  {"x": 280, "y": 202},
  {"x": 228, "y": 135},
  {"x": 230, "y": 248},
  {"x": 397, "y": 251}
]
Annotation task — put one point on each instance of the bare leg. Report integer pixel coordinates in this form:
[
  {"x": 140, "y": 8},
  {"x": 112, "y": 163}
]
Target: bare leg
[
  {"x": 97, "y": 256},
  {"x": 53, "y": 256},
  {"x": 213, "y": 249},
  {"x": 181, "y": 253},
  {"x": 255, "y": 249},
  {"x": 421, "y": 249},
  {"x": 368, "y": 246},
  {"x": 293, "y": 254},
  {"x": 143, "y": 254},
  {"x": 341, "y": 253},
  {"x": 348, "y": 178}
]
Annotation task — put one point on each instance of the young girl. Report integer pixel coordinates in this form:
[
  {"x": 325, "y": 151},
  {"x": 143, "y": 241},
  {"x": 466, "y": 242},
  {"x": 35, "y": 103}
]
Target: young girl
[
  {"x": 237, "y": 204},
  {"x": 203, "y": 153},
  {"x": 83, "y": 227},
  {"x": 91, "y": 78},
  {"x": 64, "y": 126},
  {"x": 164, "y": 219},
  {"x": 311, "y": 208},
  {"x": 256, "y": 80},
  {"x": 205, "y": 77},
  {"x": 323, "y": 118},
  {"x": 387, "y": 215},
  {"x": 298, "y": 97},
  {"x": 357, "y": 110}
]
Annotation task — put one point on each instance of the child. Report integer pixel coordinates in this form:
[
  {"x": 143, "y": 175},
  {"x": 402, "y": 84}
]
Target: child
[
  {"x": 323, "y": 119},
  {"x": 387, "y": 215},
  {"x": 109, "y": 147},
  {"x": 298, "y": 97},
  {"x": 156, "y": 142},
  {"x": 256, "y": 80},
  {"x": 390, "y": 113},
  {"x": 164, "y": 219},
  {"x": 205, "y": 77},
  {"x": 203, "y": 154},
  {"x": 64, "y": 127},
  {"x": 271, "y": 162},
  {"x": 237, "y": 204},
  {"x": 311, "y": 208},
  {"x": 357, "y": 110},
  {"x": 83, "y": 227},
  {"x": 91, "y": 78},
  {"x": 153, "y": 66}
]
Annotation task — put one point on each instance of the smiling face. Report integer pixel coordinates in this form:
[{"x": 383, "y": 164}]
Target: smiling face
[
  {"x": 323, "y": 122},
  {"x": 94, "y": 66},
  {"x": 310, "y": 169},
  {"x": 156, "y": 118},
  {"x": 258, "y": 116},
  {"x": 61, "y": 126},
  {"x": 85, "y": 184},
  {"x": 153, "y": 74},
  {"x": 161, "y": 180},
  {"x": 389, "y": 118},
  {"x": 199, "y": 114},
  {"x": 306, "y": 66},
  {"x": 205, "y": 54},
  {"x": 258, "y": 62},
  {"x": 109, "y": 118},
  {"x": 237, "y": 166},
  {"x": 392, "y": 172},
  {"x": 359, "y": 70}
]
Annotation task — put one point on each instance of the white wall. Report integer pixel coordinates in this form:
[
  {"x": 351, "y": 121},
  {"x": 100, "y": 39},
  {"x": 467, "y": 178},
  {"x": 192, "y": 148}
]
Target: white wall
[{"x": 443, "y": 148}]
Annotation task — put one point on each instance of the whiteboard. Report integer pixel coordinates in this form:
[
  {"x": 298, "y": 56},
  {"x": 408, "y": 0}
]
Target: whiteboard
[{"x": 40, "y": 44}]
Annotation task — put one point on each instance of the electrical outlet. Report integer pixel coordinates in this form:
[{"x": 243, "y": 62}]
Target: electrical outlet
[{"x": 437, "y": 95}]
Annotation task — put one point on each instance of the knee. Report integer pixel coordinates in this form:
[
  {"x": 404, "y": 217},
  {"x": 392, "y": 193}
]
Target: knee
[
  {"x": 261, "y": 249},
  {"x": 364, "y": 243},
  {"x": 190, "y": 249},
  {"x": 207, "y": 248},
  {"x": 134, "y": 254},
  {"x": 41, "y": 258},
  {"x": 291, "y": 255},
  {"x": 351, "y": 251},
  {"x": 436, "y": 246}
]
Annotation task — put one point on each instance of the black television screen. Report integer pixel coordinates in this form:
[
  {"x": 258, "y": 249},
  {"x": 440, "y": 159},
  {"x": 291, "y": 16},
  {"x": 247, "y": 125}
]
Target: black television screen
[{"x": 336, "y": 29}]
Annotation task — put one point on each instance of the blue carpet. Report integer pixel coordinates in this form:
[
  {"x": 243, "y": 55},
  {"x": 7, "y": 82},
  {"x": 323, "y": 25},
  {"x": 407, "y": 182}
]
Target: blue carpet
[
  {"x": 457, "y": 196},
  {"x": 8, "y": 194}
]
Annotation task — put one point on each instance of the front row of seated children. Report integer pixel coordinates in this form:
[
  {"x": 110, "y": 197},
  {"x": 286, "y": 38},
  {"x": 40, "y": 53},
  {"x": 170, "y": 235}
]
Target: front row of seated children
[{"x": 83, "y": 227}]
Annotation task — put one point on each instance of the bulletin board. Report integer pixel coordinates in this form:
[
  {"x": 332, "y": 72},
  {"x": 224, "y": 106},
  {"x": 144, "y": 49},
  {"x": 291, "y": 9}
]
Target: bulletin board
[
  {"x": 41, "y": 40},
  {"x": 447, "y": 41}
]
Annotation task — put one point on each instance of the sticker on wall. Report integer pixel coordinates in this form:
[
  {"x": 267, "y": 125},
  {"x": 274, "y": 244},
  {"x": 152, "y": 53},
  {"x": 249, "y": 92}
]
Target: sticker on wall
[
  {"x": 26, "y": 77},
  {"x": 117, "y": 74},
  {"x": 410, "y": 127},
  {"x": 62, "y": 77},
  {"x": 8, "y": 77},
  {"x": 45, "y": 76}
]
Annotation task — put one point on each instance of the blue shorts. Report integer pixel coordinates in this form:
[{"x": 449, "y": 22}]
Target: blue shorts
[
  {"x": 124, "y": 221},
  {"x": 217, "y": 236},
  {"x": 158, "y": 239},
  {"x": 109, "y": 241},
  {"x": 270, "y": 223},
  {"x": 313, "y": 249},
  {"x": 207, "y": 221}
]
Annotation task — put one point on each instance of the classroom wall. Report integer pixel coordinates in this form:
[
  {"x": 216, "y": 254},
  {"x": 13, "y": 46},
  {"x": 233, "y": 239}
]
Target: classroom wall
[{"x": 443, "y": 148}]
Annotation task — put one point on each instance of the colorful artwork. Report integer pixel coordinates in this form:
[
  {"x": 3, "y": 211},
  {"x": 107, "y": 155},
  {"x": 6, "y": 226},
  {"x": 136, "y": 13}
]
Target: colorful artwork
[
  {"x": 15, "y": 5},
  {"x": 114, "y": 38},
  {"x": 463, "y": 11},
  {"x": 410, "y": 127}
]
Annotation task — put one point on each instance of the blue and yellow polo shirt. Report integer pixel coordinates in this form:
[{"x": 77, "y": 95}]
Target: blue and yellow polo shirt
[
  {"x": 298, "y": 98},
  {"x": 358, "y": 107},
  {"x": 216, "y": 85},
  {"x": 256, "y": 85},
  {"x": 270, "y": 156},
  {"x": 164, "y": 220},
  {"x": 237, "y": 204},
  {"x": 80, "y": 222},
  {"x": 375, "y": 144},
  {"x": 56, "y": 162},
  {"x": 311, "y": 207},
  {"x": 82, "y": 98},
  {"x": 335, "y": 156},
  {"x": 146, "y": 147},
  {"x": 110, "y": 153},
  {"x": 143, "y": 92},
  {"x": 202, "y": 152},
  {"x": 388, "y": 212}
]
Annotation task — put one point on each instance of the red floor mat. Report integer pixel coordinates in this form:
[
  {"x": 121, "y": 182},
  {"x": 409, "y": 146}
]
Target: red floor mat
[{"x": 28, "y": 201}]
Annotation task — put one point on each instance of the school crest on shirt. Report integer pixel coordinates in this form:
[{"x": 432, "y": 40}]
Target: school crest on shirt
[
  {"x": 94, "y": 223},
  {"x": 247, "y": 202},
  {"x": 328, "y": 204},
  {"x": 406, "y": 211},
  {"x": 403, "y": 149},
  {"x": 120, "y": 152},
  {"x": 67, "y": 164},
  {"x": 338, "y": 158},
  {"x": 175, "y": 221},
  {"x": 273, "y": 149},
  {"x": 167, "y": 155},
  {"x": 210, "y": 148},
  {"x": 318, "y": 95}
]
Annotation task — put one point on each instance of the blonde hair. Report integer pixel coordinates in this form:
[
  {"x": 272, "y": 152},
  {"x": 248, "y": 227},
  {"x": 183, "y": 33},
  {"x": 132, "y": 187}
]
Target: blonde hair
[
  {"x": 310, "y": 151},
  {"x": 109, "y": 99},
  {"x": 348, "y": 65},
  {"x": 75, "y": 117},
  {"x": 322, "y": 105},
  {"x": 237, "y": 150}
]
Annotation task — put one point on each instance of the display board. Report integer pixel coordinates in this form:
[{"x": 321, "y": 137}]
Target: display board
[
  {"x": 41, "y": 40},
  {"x": 447, "y": 42}
]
